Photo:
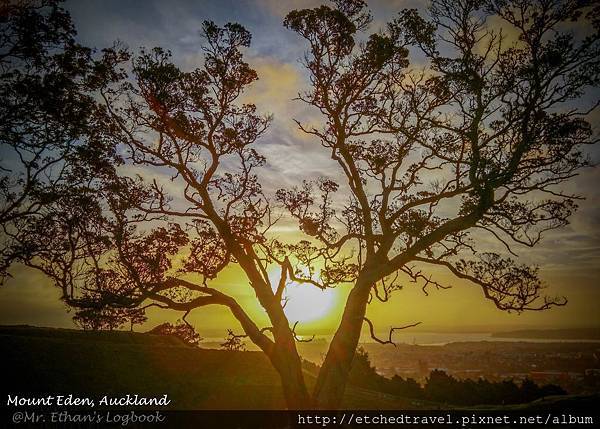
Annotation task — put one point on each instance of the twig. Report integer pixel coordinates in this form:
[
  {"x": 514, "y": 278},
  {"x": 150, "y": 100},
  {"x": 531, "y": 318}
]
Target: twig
[{"x": 389, "y": 340}]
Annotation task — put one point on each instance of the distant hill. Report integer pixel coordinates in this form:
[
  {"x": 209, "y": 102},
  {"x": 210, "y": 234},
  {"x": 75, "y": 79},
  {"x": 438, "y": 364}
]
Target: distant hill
[{"x": 552, "y": 334}]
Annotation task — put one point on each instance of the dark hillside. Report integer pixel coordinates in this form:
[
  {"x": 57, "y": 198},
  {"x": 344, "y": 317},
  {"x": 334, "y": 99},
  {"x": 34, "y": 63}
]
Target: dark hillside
[
  {"x": 93, "y": 364},
  {"x": 47, "y": 361}
]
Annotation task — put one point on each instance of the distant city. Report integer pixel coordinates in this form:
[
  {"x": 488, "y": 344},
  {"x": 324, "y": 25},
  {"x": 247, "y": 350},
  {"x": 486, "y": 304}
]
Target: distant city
[{"x": 569, "y": 362}]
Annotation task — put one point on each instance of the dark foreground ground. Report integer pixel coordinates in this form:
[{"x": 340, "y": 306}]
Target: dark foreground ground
[{"x": 44, "y": 361}]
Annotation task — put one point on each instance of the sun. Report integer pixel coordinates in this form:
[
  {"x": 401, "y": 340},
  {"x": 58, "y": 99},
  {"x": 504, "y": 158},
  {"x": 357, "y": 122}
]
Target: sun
[{"x": 306, "y": 302}]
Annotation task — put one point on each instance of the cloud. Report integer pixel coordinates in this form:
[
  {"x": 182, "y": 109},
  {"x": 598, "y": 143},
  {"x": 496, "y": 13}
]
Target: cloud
[
  {"x": 282, "y": 8},
  {"x": 278, "y": 84}
]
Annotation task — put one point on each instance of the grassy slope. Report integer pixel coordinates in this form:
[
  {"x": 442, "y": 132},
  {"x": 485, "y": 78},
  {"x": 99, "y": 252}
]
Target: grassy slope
[{"x": 53, "y": 361}]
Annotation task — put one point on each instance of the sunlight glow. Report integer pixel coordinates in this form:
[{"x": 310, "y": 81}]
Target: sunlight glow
[{"x": 305, "y": 302}]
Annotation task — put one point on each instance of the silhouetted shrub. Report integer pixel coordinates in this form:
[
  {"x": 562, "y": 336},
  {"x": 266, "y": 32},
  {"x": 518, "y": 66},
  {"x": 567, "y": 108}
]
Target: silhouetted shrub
[
  {"x": 442, "y": 387},
  {"x": 181, "y": 330}
]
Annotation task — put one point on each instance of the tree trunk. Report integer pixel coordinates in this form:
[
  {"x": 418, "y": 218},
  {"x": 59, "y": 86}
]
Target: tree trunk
[
  {"x": 289, "y": 366},
  {"x": 331, "y": 382}
]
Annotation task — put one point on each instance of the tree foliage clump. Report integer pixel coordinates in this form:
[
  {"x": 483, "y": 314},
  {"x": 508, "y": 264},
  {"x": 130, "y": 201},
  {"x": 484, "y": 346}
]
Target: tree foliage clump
[
  {"x": 101, "y": 319},
  {"x": 233, "y": 342},
  {"x": 181, "y": 330},
  {"x": 51, "y": 136}
]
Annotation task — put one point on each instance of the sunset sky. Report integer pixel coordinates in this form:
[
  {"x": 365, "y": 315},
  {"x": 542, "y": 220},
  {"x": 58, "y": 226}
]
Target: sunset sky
[{"x": 569, "y": 258}]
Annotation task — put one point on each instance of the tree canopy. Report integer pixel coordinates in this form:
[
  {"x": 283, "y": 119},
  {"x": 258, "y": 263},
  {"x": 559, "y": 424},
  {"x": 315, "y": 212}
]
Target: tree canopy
[{"x": 477, "y": 141}]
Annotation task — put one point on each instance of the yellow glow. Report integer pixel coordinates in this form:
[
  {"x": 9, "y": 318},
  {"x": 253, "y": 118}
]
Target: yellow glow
[{"x": 305, "y": 302}]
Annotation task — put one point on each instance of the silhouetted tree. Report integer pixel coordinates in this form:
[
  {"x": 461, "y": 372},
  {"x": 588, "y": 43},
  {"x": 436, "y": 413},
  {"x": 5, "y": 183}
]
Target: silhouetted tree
[
  {"x": 442, "y": 387},
  {"x": 363, "y": 373},
  {"x": 407, "y": 387},
  {"x": 487, "y": 119},
  {"x": 101, "y": 319},
  {"x": 476, "y": 142},
  {"x": 189, "y": 126},
  {"x": 182, "y": 330},
  {"x": 47, "y": 143},
  {"x": 233, "y": 342}
]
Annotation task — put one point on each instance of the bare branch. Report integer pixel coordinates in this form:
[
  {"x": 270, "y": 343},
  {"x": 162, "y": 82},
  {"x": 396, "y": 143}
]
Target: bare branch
[{"x": 391, "y": 332}]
